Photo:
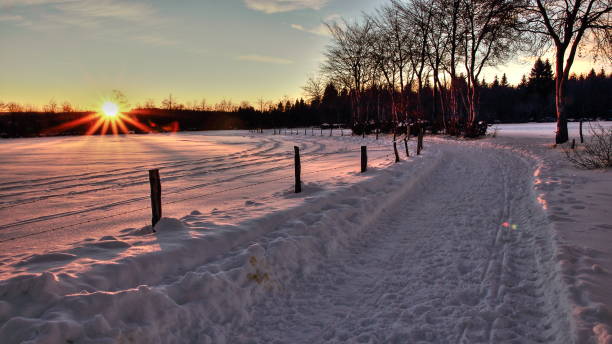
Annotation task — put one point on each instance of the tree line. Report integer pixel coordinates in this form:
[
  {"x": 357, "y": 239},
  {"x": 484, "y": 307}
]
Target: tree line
[
  {"x": 425, "y": 58},
  {"x": 533, "y": 99}
]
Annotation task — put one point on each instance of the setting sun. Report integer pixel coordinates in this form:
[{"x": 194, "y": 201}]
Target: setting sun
[{"x": 110, "y": 109}]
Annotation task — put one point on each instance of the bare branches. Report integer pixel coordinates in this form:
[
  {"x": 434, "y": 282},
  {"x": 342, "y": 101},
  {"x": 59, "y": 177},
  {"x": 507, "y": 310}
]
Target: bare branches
[
  {"x": 595, "y": 154},
  {"x": 313, "y": 89}
]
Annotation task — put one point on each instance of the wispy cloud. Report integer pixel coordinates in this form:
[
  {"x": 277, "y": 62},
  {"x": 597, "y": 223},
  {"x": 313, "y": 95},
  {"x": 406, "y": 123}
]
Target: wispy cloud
[
  {"x": 8, "y": 3},
  {"x": 15, "y": 20},
  {"x": 11, "y": 18},
  {"x": 86, "y": 13},
  {"x": 320, "y": 30},
  {"x": 264, "y": 59},
  {"x": 92, "y": 14},
  {"x": 275, "y": 6},
  {"x": 114, "y": 9}
]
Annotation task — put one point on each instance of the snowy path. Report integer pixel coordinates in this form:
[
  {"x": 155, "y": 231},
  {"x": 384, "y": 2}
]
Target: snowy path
[{"x": 438, "y": 267}]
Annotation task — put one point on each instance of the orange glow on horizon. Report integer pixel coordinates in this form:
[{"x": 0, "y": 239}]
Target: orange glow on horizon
[{"x": 102, "y": 123}]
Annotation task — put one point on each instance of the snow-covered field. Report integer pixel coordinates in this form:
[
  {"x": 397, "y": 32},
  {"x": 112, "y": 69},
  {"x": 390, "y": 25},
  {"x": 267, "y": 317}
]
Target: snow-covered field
[{"x": 496, "y": 240}]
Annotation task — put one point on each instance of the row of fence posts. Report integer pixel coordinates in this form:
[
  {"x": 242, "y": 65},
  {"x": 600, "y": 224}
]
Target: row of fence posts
[
  {"x": 297, "y": 131},
  {"x": 155, "y": 181}
]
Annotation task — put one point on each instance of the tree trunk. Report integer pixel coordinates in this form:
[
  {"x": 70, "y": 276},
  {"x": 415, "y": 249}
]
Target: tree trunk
[
  {"x": 473, "y": 96},
  {"x": 562, "y": 134}
]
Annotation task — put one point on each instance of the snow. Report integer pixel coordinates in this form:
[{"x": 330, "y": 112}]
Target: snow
[
  {"x": 578, "y": 208},
  {"x": 470, "y": 242}
]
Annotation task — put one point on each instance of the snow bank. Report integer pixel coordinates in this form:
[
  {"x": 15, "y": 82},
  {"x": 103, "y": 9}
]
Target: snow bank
[{"x": 193, "y": 281}]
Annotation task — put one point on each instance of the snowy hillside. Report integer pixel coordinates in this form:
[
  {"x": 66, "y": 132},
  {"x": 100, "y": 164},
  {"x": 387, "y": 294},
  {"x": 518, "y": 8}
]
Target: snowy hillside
[{"x": 473, "y": 241}]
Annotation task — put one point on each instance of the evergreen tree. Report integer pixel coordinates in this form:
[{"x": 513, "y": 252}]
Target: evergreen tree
[
  {"x": 495, "y": 82},
  {"x": 541, "y": 79},
  {"x": 523, "y": 83},
  {"x": 504, "y": 81}
]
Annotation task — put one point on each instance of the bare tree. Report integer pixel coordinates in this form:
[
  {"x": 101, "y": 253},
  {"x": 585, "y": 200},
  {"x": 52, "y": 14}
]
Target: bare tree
[
  {"x": 391, "y": 53},
  {"x": 569, "y": 25},
  {"x": 202, "y": 105},
  {"x": 169, "y": 103},
  {"x": 225, "y": 106},
  {"x": 261, "y": 103},
  {"x": 67, "y": 107},
  {"x": 454, "y": 32},
  {"x": 439, "y": 43},
  {"x": 418, "y": 16},
  {"x": 120, "y": 99},
  {"x": 14, "y": 107},
  {"x": 313, "y": 90},
  {"x": 348, "y": 59},
  {"x": 51, "y": 106},
  {"x": 488, "y": 38},
  {"x": 149, "y": 103}
]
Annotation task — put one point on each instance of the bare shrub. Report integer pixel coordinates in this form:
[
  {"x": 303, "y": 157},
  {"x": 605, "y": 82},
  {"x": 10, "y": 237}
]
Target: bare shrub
[{"x": 595, "y": 154}]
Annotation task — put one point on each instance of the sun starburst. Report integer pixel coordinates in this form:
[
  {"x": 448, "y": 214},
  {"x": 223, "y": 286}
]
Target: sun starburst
[{"x": 111, "y": 119}]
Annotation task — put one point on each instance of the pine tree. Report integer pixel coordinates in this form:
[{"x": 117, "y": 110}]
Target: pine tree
[
  {"x": 495, "y": 82},
  {"x": 504, "y": 81},
  {"x": 541, "y": 79},
  {"x": 523, "y": 83}
]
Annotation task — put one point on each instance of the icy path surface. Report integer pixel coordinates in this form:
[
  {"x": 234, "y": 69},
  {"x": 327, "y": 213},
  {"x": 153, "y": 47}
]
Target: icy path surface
[{"x": 462, "y": 258}]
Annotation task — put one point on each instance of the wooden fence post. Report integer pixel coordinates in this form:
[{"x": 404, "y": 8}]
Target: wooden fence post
[
  {"x": 364, "y": 159},
  {"x": 397, "y": 159},
  {"x": 420, "y": 142},
  {"x": 298, "y": 170},
  {"x": 581, "y": 137},
  {"x": 156, "y": 206}
]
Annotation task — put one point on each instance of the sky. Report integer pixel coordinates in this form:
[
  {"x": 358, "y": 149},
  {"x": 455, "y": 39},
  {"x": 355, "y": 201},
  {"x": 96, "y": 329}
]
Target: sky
[{"x": 81, "y": 50}]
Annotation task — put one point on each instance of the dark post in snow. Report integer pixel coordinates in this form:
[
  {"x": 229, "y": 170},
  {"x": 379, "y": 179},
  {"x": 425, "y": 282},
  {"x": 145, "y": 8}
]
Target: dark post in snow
[
  {"x": 364, "y": 159},
  {"x": 397, "y": 159},
  {"x": 298, "y": 170},
  {"x": 420, "y": 142},
  {"x": 581, "y": 137},
  {"x": 156, "y": 208},
  {"x": 406, "y": 145},
  {"x": 573, "y": 143}
]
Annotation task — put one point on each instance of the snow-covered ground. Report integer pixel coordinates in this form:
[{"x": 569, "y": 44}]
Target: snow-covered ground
[
  {"x": 578, "y": 204},
  {"x": 471, "y": 242}
]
